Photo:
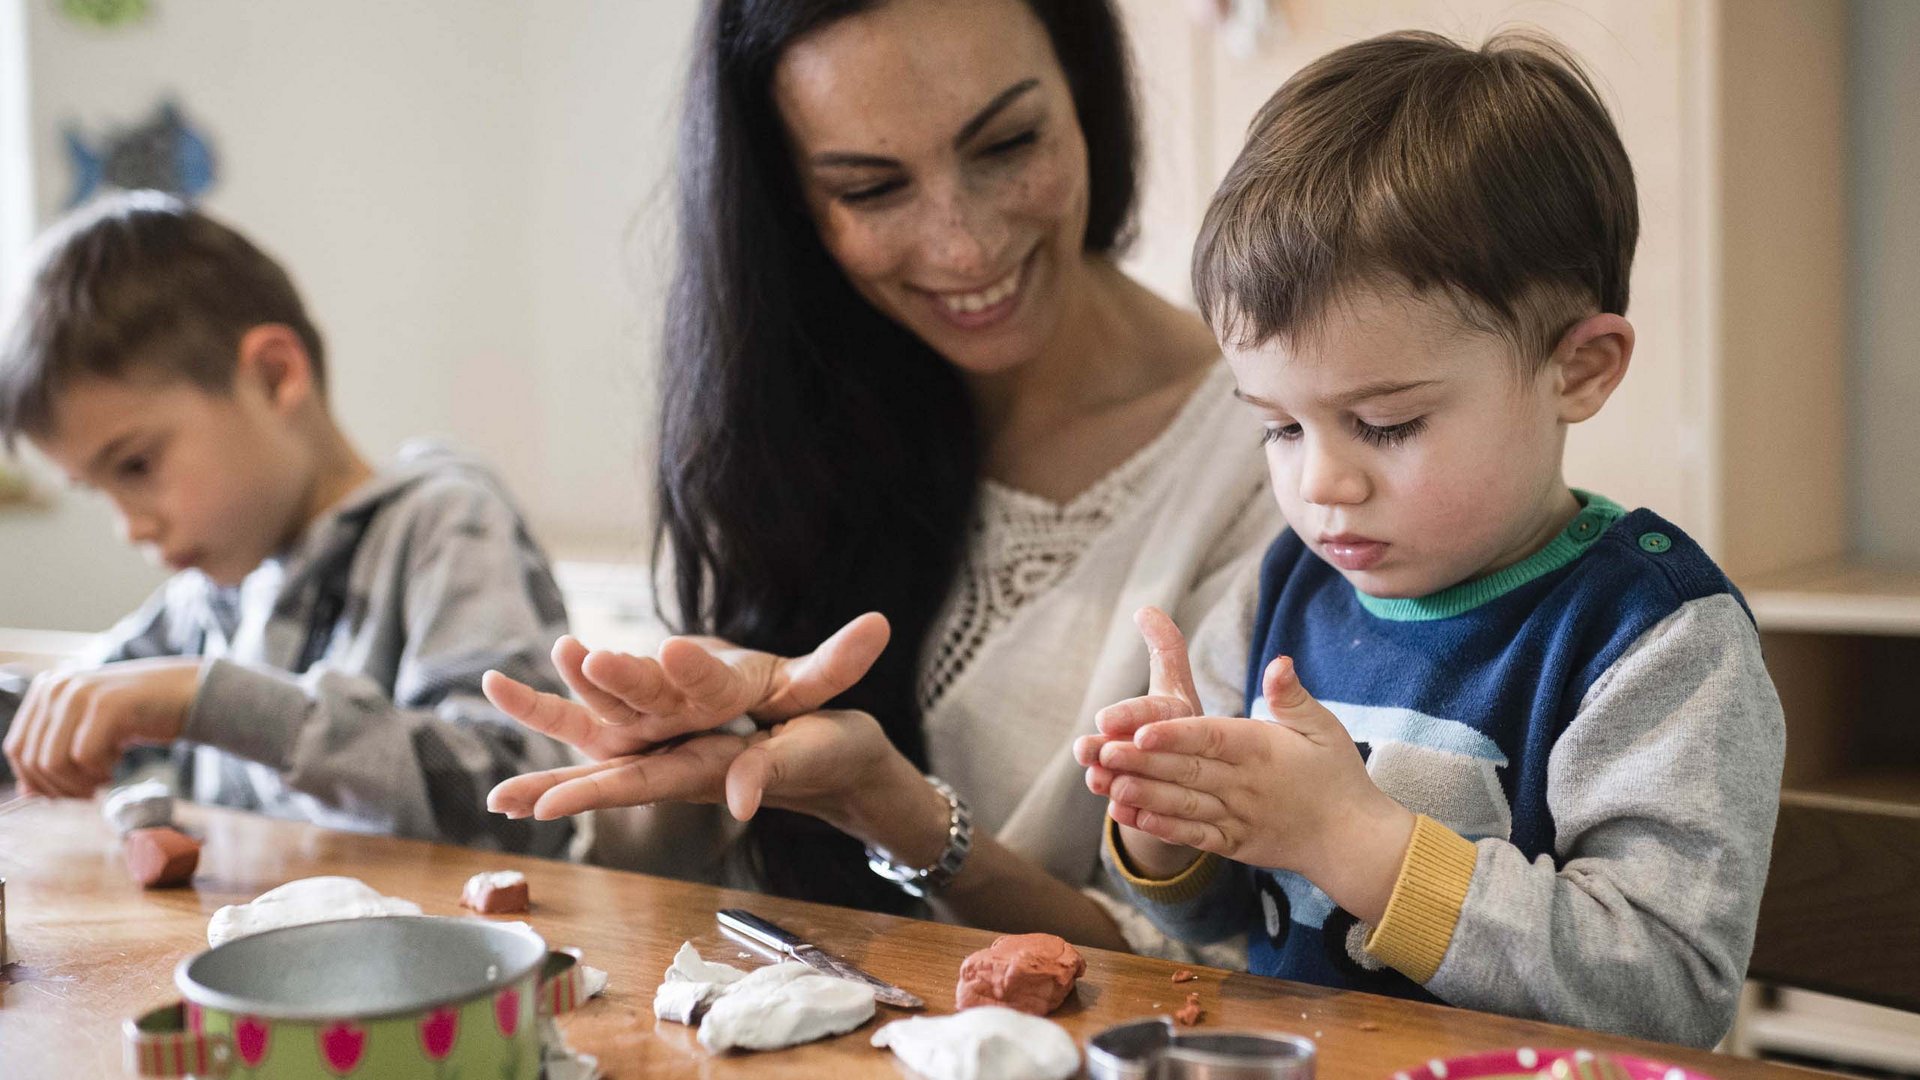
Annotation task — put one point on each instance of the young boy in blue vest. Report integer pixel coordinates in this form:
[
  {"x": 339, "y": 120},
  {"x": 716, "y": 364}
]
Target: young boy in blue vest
[
  {"x": 1510, "y": 746},
  {"x": 317, "y": 653}
]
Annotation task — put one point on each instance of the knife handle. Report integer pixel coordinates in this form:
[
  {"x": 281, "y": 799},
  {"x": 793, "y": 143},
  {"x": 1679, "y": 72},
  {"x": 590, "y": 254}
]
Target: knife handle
[{"x": 753, "y": 926}]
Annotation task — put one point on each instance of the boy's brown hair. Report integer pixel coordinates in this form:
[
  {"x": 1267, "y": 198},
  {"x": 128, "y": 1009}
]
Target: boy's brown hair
[
  {"x": 1493, "y": 176},
  {"x": 139, "y": 284}
]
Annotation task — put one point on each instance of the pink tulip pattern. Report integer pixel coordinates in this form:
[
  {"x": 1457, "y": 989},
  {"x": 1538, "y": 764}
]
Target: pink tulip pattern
[
  {"x": 506, "y": 1011},
  {"x": 437, "y": 1033},
  {"x": 250, "y": 1040},
  {"x": 341, "y": 1044},
  {"x": 196, "y": 1019}
]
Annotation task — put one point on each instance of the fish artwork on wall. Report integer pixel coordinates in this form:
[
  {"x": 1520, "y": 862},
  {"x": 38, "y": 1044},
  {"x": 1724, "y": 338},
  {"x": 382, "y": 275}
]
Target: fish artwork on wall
[{"x": 163, "y": 152}]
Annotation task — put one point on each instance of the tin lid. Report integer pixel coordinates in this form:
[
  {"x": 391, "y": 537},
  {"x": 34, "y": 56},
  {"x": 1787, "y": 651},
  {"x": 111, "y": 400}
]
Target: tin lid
[{"x": 360, "y": 968}]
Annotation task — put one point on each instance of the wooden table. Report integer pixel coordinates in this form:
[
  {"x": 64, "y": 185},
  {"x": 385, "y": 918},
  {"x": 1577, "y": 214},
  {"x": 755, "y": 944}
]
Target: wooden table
[{"x": 90, "y": 948}]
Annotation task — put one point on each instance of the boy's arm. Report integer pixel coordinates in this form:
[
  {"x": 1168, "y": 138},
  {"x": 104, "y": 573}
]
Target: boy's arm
[
  {"x": 1663, "y": 792},
  {"x": 1190, "y": 895},
  {"x": 156, "y": 628},
  {"x": 478, "y": 596},
  {"x": 1211, "y": 899}
]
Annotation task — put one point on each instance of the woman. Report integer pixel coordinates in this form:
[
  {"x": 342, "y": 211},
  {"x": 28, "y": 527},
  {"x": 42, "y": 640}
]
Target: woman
[{"x": 903, "y": 374}]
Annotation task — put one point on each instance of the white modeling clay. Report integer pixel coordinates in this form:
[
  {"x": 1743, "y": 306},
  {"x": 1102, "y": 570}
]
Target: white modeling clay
[
  {"x": 690, "y": 985},
  {"x": 687, "y": 966},
  {"x": 308, "y": 900},
  {"x": 784, "y": 1005},
  {"x": 990, "y": 1042},
  {"x": 146, "y": 805}
]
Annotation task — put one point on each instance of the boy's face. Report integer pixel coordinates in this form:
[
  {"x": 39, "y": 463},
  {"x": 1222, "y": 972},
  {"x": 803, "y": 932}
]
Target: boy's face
[
  {"x": 198, "y": 479},
  {"x": 1409, "y": 452}
]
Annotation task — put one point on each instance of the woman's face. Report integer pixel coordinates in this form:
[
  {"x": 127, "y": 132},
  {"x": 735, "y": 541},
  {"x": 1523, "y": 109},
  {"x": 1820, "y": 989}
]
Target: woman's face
[{"x": 939, "y": 152}]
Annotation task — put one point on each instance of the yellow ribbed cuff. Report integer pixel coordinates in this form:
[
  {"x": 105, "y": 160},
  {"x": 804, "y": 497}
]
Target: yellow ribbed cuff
[
  {"x": 1184, "y": 885},
  {"x": 1427, "y": 897}
]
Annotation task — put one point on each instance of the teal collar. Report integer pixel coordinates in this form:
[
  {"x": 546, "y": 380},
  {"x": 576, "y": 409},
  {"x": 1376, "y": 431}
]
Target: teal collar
[{"x": 1597, "y": 514}]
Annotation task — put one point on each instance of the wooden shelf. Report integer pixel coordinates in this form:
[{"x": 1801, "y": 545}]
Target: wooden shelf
[
  {"x": 1838, "y": 598},
  {"x": 1894, "y": 791}
]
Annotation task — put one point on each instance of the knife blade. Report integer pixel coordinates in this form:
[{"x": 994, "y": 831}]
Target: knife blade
[{"x": 784, "y": 942}]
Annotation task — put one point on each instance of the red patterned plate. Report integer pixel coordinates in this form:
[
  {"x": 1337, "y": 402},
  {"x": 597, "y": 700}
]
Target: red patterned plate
[{"x": 1526, "y": 1063}]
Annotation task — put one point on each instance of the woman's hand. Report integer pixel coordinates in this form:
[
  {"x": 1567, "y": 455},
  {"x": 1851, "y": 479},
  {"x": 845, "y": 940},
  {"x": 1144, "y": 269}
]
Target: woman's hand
[
  {"x": 836, "y": 765},
  {"x": 630, "y": 703}
]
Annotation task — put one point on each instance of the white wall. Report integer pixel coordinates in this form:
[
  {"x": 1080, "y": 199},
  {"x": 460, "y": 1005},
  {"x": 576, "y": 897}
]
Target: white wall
[
  {"x": 454, "y": 192},
  {"x": 1884, "y": 143}
]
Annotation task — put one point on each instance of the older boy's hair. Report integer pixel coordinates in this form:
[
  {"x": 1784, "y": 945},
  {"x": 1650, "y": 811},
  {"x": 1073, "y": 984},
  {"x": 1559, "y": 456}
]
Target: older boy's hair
[
  {"x": 1492, "y": 178},
  {"x": 139, "y": 284}
]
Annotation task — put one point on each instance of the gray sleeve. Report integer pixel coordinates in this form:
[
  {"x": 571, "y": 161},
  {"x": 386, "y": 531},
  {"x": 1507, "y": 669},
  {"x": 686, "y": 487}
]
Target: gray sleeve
[
  {"x": 478, "y": 595},
  {"x": 1664, "y": 792}
]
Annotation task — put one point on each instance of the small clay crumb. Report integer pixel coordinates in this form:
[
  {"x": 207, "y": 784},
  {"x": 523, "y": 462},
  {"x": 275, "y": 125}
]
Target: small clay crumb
[
  {"x": 1189, "y": 1014},
  {"x": 1183, "y": 975},
  {"x": 1369, "y": 1026},
  {"x": 160, "y": 856},
  {"x": 499, "y": 892}
]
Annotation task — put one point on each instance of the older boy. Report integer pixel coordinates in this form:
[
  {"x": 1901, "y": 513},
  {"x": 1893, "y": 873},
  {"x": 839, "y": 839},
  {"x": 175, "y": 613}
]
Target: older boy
[
  {"x": 318, "y": 652},
  {"x": 1538, "y": 770}
]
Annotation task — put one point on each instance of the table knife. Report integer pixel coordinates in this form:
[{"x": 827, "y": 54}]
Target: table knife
[{"x": 786, "y": 943}]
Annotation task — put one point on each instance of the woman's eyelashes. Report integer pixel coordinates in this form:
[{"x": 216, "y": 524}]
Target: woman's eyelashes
[
  {"x": 1008, "y": 147},
  {"x": 1000, "y": 151},
  {"x": 1371, "y": 434},
  {"x": 872, "y": 192}
]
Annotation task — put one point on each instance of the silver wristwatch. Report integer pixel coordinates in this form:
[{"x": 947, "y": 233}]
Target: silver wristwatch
[{"x": 925, "y": 881}]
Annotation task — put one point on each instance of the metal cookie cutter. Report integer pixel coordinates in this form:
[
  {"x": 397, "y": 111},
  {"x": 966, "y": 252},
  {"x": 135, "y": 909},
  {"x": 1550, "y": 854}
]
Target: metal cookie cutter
[{"x": 1156, "y": 1050}]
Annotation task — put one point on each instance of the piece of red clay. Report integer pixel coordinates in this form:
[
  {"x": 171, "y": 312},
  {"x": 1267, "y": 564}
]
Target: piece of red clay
[
  {"x": 1183, "y": 975},
  {"x": 496, "y": 892},
  {"x": 1033, "y": 973},
  {"x": 160, "y": 857},
  {"x": 1189, "y": 1014}
]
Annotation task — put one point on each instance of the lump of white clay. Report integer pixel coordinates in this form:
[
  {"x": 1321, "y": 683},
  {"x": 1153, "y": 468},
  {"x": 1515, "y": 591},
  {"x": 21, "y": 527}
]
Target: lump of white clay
[
  {"x": 690, "y": 985},
  {"x": 990, "y": 1042},
  {"x": 146, "y": 805},
  {"x": 687, "y": 966},
  {"x": 784, "y": 1005},
  {"x": 308, "y": 900}
]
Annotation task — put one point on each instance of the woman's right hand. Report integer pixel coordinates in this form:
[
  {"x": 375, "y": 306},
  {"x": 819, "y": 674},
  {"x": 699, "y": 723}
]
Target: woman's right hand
[{"x": 627, "y": 703}]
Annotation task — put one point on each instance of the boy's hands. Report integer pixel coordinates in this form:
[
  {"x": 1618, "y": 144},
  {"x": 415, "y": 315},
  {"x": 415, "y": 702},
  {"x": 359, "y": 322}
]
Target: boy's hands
[
  {"x": 72, "y": 726},
  {"x": 1170, "y": 694},
  {"x": 1293, "y": 794},
  {"x": 630, "y": 703}
]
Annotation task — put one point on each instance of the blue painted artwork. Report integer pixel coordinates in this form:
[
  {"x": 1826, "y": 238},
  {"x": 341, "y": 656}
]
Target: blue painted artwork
[{"x": 164, "y": 153}]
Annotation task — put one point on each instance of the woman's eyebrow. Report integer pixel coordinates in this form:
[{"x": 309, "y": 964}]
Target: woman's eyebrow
[
  {"x": 985, "y": 116},
  {"x": 842, "y": 159}
]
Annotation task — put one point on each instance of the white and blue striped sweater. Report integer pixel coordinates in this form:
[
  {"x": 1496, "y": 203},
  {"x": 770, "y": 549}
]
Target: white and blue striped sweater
[{"x": 1597, "y": 718}]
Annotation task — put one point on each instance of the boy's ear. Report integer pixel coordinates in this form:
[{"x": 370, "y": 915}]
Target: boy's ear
[
  {"x": 1589, "y": 363},
  {"x": 274, "y": 359}
]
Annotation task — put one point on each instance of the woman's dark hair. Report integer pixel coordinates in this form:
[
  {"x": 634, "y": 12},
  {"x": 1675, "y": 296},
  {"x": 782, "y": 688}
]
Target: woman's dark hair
[{"x": 817, "y": 460}]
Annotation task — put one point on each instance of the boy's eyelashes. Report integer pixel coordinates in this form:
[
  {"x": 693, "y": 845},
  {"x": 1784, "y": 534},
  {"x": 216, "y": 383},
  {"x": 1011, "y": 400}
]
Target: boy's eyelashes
[
  {"x": 136, "y": 466},
  {"x": 1371, "y": 434}
]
